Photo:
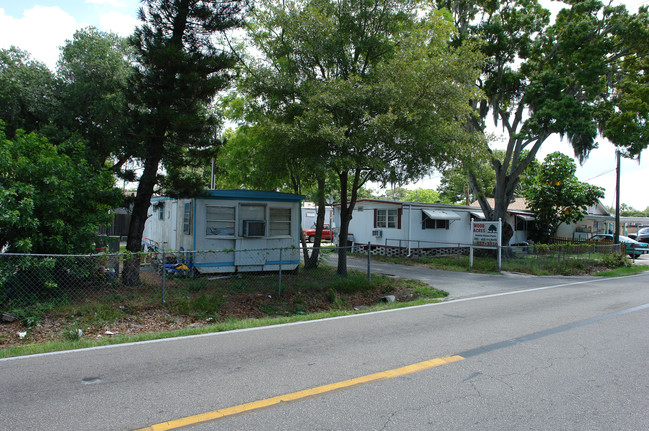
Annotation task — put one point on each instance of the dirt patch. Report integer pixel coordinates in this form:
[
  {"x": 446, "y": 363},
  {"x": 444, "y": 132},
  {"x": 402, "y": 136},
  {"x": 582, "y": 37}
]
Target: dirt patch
[{"x": 123, "y": 316}]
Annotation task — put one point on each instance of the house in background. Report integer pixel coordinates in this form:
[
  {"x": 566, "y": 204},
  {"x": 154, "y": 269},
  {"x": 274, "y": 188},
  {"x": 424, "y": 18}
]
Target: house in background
[
  {"x": 244, "y": 222},
  {"x": 597, "y": 220},
  {"x": 631, "y": 225}
]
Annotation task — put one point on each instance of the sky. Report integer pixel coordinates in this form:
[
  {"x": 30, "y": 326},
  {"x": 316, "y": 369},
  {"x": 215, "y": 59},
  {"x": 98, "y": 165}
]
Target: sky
[{"x": 41, "y": 27}]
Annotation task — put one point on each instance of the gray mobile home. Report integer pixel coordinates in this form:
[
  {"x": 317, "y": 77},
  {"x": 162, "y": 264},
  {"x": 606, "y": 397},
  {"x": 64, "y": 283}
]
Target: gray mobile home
[{"x": 252, "y": 226}]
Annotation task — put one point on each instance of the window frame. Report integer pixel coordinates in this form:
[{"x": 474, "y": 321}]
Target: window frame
[
  {"x": 383, "y": 218},
  {"x": 232, "y": 221},
  {"x": 429, "y": 223},
  {"x": 272, "y": 223},
  {"x": 241, "y": 218},
  {"x": 188, "y": 219}
]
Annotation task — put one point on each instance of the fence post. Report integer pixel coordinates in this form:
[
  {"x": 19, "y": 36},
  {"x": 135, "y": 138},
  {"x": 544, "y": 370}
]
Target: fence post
[
  {"x": 164, "y": 272},
  {"x": 369, "y": 261},
  {"x": 279, "y": 288}
]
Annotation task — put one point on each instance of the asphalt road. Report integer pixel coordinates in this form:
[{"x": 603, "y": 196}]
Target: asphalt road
[
  {"x": 556, "y": 353},
  {"x": 459, "y": 284}
]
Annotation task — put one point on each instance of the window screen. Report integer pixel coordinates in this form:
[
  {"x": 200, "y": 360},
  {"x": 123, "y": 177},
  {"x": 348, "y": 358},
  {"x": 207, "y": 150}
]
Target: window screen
[
  {"x": 280, "y": 221},
  {"x": 252, "y": 212},
  {"x": 219, "y": 220},
  {"x": 187, "y": 219}
]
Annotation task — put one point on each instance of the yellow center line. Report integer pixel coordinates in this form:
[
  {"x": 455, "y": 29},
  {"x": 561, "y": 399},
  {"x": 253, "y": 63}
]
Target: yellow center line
[{"x": 294, "y": 396}]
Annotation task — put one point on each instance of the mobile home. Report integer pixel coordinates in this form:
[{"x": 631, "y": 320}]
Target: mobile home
[
  {"x": 414, "y": 228},
  {"x": 254, "y": 227},
  {"x": 310, "y": 215}
]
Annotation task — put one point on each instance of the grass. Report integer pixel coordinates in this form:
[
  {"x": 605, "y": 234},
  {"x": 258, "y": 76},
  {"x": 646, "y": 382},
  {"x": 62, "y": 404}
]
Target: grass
[
  {"x": 235, "y": 302},
  {"x": 539, "y": 265},
  {"x": 622, "y": 271},
  {"x": 309, "y": 295}
]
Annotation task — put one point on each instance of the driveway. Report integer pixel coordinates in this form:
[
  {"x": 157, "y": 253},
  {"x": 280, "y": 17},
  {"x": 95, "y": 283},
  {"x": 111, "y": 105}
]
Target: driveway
[{"x": 462, "y": 284}]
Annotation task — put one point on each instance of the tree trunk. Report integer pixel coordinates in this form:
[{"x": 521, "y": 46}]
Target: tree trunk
[
  {"x": 148, "y": 180},
  {"x": 311, "y": 262},
  {"x": 346, "y": 210}
]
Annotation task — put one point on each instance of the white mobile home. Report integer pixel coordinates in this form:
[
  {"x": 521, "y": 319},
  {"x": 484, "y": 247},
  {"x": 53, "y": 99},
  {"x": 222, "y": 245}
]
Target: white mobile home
[
  {"x": 397, "y": 228},
  {"x": 310, "y": 214},
  {"x": 243, "y": 222}
]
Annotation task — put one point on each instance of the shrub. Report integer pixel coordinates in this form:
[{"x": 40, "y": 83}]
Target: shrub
[{"x": 616, "y": 260}]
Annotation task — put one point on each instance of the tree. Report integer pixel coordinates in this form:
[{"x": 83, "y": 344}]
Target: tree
[
  {"x": 26, "y": 91},
  {"x": 371, "y": 91},
  {"x": 92, "y": 76},
  {"x": 51, "y": 199},
  {"x": 556, "y": 195},
  {"x": 418, "y": 195},
  {"x": 455, "y": 183},
  {"x": 180, "y": 69},
  {"x": 257, "y": 155},
  {"x": 542, "y": 79}
]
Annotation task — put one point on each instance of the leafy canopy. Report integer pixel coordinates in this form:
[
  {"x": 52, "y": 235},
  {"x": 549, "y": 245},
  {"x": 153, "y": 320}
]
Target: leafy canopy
[
  {"x": 556, "y": 195},
  {"x": 51, "y": 199}
]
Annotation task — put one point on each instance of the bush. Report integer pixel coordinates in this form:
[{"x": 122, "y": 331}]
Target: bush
[{"x": 616, "y": 260}]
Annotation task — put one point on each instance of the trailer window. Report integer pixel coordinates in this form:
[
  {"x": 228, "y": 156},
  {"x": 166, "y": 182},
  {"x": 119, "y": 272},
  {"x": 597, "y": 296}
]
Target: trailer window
[
  {"x": 280, "y": 221},
  {"x": 386, "y": 218},
  {"x": 429, "y": 223},
  {"x": 187, "y": 219},
  {"x": 219, "y": 220},
  {"x": 252, "y": 218}
]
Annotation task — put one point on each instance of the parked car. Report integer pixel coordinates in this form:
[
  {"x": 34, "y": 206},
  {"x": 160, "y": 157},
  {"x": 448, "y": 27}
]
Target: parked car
[
  {"x": 634, "y": 248},
  {"x": 327, "y": 233},
  {"x": 643, "y": 235}
]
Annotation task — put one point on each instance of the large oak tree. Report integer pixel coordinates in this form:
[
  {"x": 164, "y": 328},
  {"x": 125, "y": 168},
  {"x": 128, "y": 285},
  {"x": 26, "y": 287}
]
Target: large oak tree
[
  {"x": 364, "y": 89},
  {"x": 573, "y": 77}
]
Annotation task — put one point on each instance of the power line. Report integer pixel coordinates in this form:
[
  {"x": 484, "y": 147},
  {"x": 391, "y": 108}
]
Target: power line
[{"x": 599, "y": 175}]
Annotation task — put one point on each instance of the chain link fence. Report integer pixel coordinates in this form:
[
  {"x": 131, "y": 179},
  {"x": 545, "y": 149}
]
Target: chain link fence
[
  {"x": 418, "y": 248},
  {"x": 30, "y": 279},
  {"x": 160, "y": 276}
]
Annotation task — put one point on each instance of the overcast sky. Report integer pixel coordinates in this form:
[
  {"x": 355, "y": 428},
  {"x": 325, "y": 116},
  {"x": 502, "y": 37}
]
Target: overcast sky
[{"x": 42, "y": 26}]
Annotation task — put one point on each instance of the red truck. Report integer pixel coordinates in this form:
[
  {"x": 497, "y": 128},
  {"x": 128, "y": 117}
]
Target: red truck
[{"x": 327, "y": 234}]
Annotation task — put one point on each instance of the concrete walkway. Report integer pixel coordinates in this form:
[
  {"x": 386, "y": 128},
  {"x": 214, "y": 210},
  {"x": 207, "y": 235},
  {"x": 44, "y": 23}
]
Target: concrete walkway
[{"x": 459, "y": 284}]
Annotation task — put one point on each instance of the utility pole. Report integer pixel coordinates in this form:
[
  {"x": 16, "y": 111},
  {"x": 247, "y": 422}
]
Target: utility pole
[{"x": 616, "y": 235}]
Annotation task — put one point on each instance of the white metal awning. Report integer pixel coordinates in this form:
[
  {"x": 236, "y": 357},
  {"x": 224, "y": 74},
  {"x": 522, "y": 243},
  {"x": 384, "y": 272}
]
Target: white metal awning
[
  {"x": 526, "y": 217},
  {"x": 477, "y": 214},
  {"x": 441, "y": 215}
]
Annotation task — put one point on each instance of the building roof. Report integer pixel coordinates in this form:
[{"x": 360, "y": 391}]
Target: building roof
[
  {"x": 249, "y": 195},
  {"x": 253, "y": 195},
  {"x": 517, "y": 204}
]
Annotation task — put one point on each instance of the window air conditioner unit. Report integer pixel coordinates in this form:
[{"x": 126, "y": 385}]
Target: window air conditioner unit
[
  {"x": 254, "y": 228},
  {"x": 377, "y": 233}
]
